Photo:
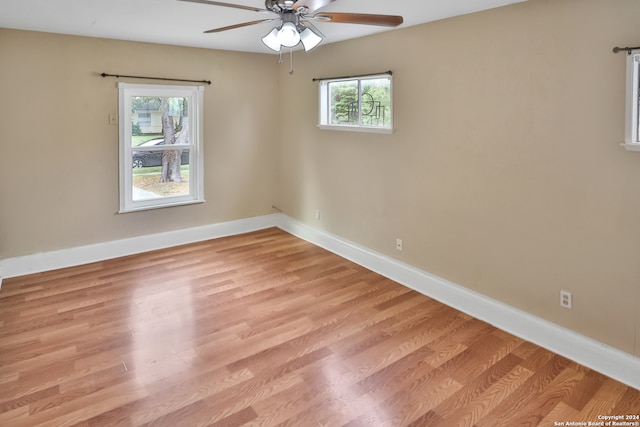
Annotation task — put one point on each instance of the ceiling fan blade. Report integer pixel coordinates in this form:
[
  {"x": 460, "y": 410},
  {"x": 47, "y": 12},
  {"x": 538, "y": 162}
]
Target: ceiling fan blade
[
  {"x": 311, "y": 5},
  {"x": 217, "y": 3},
  {"x": 231, "y": 27},
  {"x": 359, "y": 18}
]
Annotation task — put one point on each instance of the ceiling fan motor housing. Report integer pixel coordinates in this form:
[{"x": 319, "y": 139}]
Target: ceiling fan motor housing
[{"x": 279, "y": 6}]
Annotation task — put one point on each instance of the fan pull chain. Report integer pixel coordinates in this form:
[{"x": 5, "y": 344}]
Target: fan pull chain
[
  {"x": 291, "y": 61},
  {"x": 280, "y": 60}
]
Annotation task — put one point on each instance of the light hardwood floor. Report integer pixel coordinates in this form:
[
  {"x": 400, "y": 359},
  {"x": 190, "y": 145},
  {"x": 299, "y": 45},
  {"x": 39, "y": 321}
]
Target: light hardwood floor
[{"x": 267, "y": 329}]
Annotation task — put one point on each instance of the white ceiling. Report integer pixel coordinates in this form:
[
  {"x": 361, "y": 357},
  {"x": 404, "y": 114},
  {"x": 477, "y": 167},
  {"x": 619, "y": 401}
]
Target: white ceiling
[{"x": 179, "y": 23}]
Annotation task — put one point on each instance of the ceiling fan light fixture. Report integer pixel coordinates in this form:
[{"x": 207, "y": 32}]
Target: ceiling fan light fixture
[
  {"x": 271, "y": 40},
  {"x": 310, "y": 39},
  {"x": 288, "y": 35}
]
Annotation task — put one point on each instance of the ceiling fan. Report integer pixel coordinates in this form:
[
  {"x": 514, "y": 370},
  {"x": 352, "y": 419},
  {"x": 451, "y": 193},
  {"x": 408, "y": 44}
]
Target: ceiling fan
[{"x": 294, "y": 16}]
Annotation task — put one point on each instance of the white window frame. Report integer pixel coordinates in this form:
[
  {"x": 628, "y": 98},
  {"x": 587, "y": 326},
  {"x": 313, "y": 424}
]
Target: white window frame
[
  {"x": 324, "y": 105},
  {"x": 631, "y": 140},
  {"x": 195, "y": 94}
]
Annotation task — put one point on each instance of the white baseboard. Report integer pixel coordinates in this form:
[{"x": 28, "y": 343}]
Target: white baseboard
[
  {"x": 36, "y": 263},
  {"x": 600, "y": 357}
]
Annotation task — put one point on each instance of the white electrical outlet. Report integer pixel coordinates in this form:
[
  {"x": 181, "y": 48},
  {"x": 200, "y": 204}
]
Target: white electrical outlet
[
  {"x": 318, "y": 214},
  {"x": 399, "y": 244},
  {"x": 566, "y": 299}
]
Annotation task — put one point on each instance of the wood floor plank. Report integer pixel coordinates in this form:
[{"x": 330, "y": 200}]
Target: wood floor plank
[
  {"x": 457, "y": 404},
  {"x": 265, "y": 329},
  {"x": 561, "y": 413}
]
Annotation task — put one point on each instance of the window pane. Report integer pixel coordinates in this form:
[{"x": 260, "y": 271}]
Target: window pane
[
  {"x": 150, "y": 113},
  {"x": 145, "y": 120},
  {"x": 376, "y": 102},
  {"x": 159, "y": 173},
  {"x": 343, "y": 104},
  {"x": 151, "y": 181}
]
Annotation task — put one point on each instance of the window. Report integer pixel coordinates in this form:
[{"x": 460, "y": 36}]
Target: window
[
  {"x": 632, "y": 133},
  {"x": 144, "y": 120},
  {"x": 362, "y": 104},
  {"x": 160, "y": 148}
]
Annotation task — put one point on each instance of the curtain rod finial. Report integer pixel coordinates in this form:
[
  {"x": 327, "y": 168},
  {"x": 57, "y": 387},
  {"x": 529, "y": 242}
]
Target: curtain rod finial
[{"x": 628, "y": 49}]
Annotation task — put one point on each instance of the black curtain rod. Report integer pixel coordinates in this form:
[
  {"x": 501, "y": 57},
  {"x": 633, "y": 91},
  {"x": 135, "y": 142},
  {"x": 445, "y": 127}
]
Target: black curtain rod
[
  {"x": 317, "y": 79},
  {"x": 628, "y": 49},
  {"x": 157, "y": 78}
]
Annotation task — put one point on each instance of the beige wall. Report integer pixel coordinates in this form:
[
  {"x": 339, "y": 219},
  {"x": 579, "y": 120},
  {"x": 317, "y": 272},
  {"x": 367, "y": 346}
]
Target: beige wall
[
  {"x": 59, "y": 154},
  {"x": 504, "y": 173}
]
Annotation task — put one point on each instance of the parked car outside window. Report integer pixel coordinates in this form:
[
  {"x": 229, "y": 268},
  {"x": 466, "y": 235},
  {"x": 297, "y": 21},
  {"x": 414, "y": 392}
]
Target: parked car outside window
[{"x": 143, "y": 159}]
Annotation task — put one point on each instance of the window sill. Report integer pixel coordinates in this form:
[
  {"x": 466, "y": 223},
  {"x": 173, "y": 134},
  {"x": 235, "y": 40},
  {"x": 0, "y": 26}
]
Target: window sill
[
  {"x": 159, "y": 206},
  {"x": 357, "y": 129},
  {"x": 631, "y": 147}
]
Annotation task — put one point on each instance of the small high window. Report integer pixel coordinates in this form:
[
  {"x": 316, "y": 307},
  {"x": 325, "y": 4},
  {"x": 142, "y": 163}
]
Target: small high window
[
  {"x": 160, "y": 146},
  {"x": 362, "y": 103},
  {"x": 632, "y": 132}
]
